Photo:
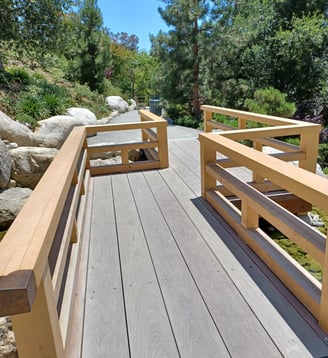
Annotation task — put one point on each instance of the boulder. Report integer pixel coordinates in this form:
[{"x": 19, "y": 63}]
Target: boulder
[
  {"x": 132, "y": 105},
  {"x": 5, "y": 167},
  {"x": 28, "y": 164},
  {"x": 11, "y": 202},
  {"x": 83, "y": 114},
  {"x": 16, "y": 132},
  {"x": 52, "y": 132},
  {"x": 116, "y": 103}
]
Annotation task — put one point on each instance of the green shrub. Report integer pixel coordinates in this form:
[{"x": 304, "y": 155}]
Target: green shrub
[
  {"x": 292, "y": 140},
  {"x": 19, "y": 75},
  {"x": 323, "y": 155},
  {"x": 187, "y": 121},
  {"x": 176, "y": 111},
  {"x": 53, "y": 104},
  {"x": 26, "y": 119},
  {"x": 31, "y": 106},
  {"x": 270, "y": 101},
  {"x": 221, "y": 118},
  {"x": 82, "y": 92}
]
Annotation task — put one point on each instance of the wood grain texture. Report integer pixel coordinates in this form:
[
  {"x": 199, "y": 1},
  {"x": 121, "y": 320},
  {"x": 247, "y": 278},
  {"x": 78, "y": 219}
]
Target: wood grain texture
[
  {"x": 148, "y": 325},
  {"x": 194, "y": 329},
  {"x": 104, "y": 324},
  {"x": 242, "y": 333}
]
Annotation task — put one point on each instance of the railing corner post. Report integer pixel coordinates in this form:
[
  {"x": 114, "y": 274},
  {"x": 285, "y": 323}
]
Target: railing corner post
[
  {"x": 38, "y": 332},
  {"x": 207, "y": 155},
  {"x": 163, "y": 145}
]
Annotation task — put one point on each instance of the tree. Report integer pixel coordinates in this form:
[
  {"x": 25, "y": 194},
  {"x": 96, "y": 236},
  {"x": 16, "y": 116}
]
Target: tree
[
  {"x": 179, "y": 51},
  {"x": 124, "y": 39},
  {"x": 34, "y": 26},
  {"x": 93, "y": 52}
]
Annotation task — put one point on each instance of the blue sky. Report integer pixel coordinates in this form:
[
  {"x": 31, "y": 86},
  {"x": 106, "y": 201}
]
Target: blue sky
[{"x": 139, "y": 17}]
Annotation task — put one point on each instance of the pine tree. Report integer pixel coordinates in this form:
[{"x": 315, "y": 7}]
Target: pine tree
[{"x": 93, "y": 48}]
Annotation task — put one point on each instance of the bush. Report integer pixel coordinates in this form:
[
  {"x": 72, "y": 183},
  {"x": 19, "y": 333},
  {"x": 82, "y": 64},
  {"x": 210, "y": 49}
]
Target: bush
[
  {"x": 176, "y": 111},
  {"x": 30, "y": 106},
  {"x": 53, "y": 104},
  {"x": 187, "y": 121},
  {"x": 19, "y": 75},
  {"x": 270, "y": 101},
  {"x": 323, "y": 155}
]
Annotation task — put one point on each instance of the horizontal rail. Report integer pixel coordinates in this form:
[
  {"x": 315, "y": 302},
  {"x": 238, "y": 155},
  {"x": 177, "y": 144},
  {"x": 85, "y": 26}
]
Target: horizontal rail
[
  {"x": 243, "y": 204},
  {"x": 40, "y": 253},
  {"x": 153, "y": 132}
]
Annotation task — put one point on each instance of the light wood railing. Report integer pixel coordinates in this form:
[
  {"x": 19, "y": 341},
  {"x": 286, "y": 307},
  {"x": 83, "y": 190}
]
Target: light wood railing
[
  {"x": 40, "y": 253},
  {"x": 276, "y": 191},
  {"x": 153, "y": 135}
]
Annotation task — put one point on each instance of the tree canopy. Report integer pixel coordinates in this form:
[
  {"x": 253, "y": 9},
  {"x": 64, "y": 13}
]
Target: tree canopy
[{"x": 221, "y": 52}]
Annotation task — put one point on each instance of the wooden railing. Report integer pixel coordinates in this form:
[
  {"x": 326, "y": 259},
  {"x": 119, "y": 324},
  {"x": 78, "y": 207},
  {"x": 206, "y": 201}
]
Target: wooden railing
[
  {"x": 153, "y": 135},
  {"x": 39, "y": 255},
  {"x": 276, "y": 191}
]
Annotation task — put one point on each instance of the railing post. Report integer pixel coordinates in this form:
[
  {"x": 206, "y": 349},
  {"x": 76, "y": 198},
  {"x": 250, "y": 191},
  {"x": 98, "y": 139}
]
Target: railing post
[
  {"x": 323, "y": 311},
  {"x": 143, "y": 134},
  {"x": 257, "y": 178},
  {"x": 162, "y": 145},
  {"x": 249, "y": 217},
  {"x": 207, "y": 155},
  {"x": 208, "y": 116},
  {"x": 38, "y": 333},
  {"x": 309, "y": 140}
]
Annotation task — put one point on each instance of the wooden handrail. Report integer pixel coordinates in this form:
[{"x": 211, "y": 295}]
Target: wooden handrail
[
  {"x": 153, "y": 134},
  {"x": 270, "y": 172},
  {"x": 39, "y": 255}
]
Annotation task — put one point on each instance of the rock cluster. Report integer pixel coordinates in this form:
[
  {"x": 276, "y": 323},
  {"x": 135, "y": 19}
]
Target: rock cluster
[{"x": 25, "y": 155}]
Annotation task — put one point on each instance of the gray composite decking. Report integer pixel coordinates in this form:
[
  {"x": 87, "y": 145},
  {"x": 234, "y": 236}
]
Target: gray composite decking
[{"x": 167, "y": 277}]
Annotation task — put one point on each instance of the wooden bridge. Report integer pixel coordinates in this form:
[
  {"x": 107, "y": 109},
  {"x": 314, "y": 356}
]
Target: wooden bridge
[{"x": 164, "y": 257}]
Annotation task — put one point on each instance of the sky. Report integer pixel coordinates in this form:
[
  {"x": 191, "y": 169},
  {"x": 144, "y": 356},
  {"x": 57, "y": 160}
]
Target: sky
[{"x": 138, "y": 17}]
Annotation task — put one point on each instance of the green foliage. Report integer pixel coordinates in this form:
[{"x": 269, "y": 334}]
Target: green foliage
[
  {"x": 92, "y": 55},
  {"x": 233, "y": 122},
  {"x": 30, "y": 109},
  {"x": 323, "y": 155},
  {"x": 176, "y": 111},
  {"x": 187, "y": 121},
  {"x": 270, "y": 101},
  {"x": 17, "y": 74},
  {"x": 298, "y": 254},
  {"x": 292, "y": 140}
]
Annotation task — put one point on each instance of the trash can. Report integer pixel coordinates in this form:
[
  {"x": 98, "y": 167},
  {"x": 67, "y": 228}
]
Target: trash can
[{"x": 154, "y": 107}]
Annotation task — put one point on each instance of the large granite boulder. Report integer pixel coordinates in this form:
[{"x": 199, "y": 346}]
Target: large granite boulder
[
  {"x": 29, "y": 164},
  {"x": 16, "y": 132},
  {"x": 52, "y": 132},
  {"x": 5, "y": 165},
  {"x": 116, "y": 103},
  {"x": 84, "y": 114},
  {"x": 11, "y": 202}
]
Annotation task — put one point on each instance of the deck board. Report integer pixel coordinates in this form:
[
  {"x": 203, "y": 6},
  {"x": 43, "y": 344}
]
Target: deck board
[
  {"x": 105, "y": 328},
  {"x": 185, "y": 285}
]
